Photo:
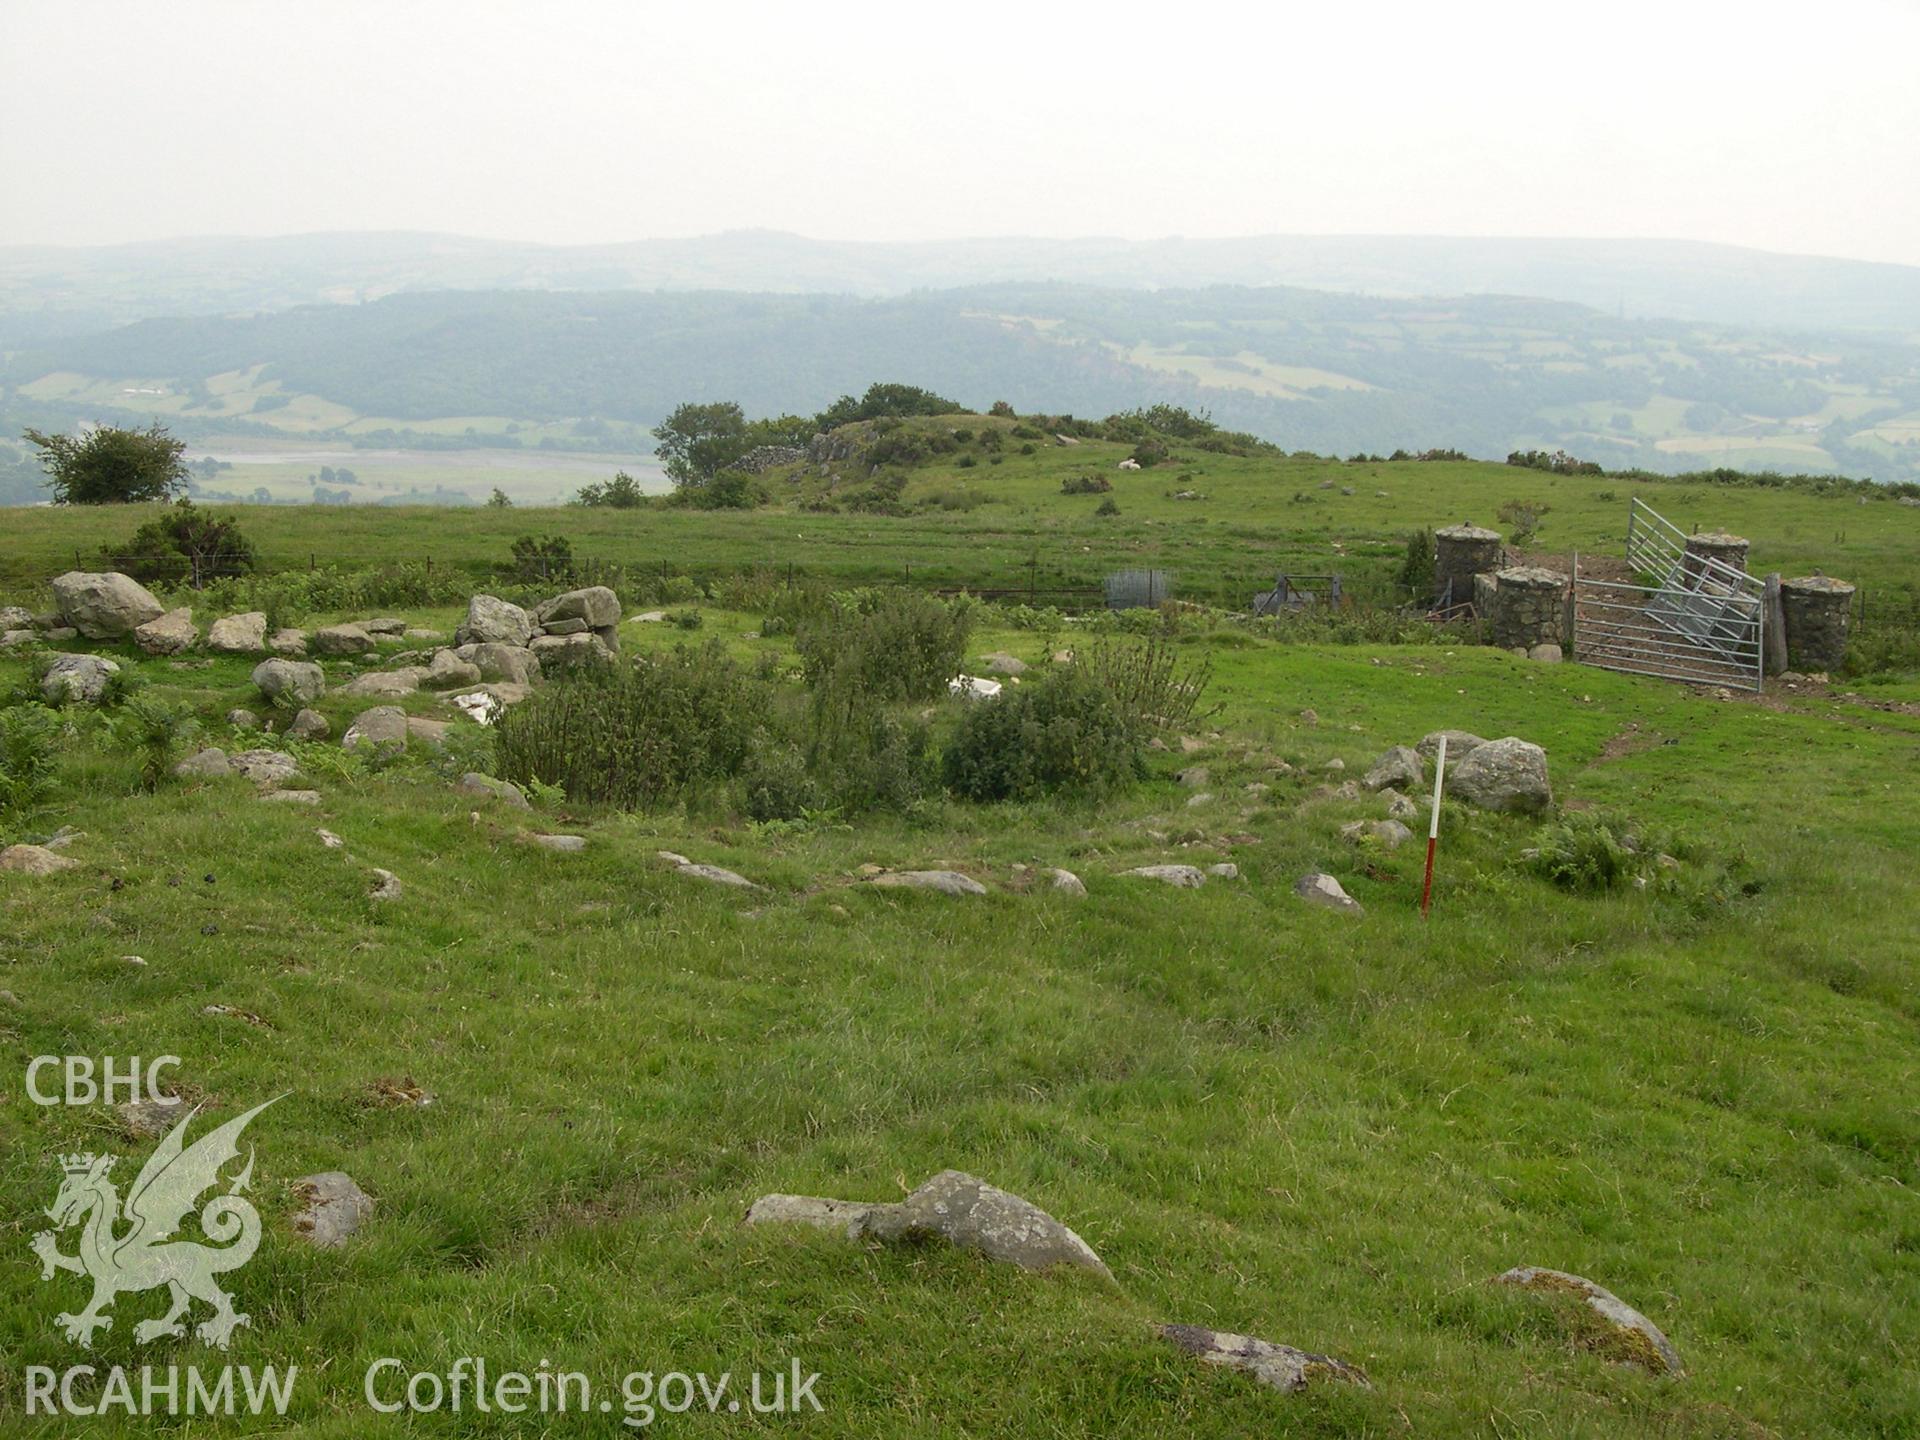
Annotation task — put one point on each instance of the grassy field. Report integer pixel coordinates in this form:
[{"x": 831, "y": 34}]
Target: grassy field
[
  {"x": 1009, "y": 525},
  {"x": 1322, "y": 1131}
]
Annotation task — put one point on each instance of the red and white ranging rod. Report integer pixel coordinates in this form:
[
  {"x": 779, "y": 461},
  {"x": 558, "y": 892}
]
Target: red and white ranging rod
[{"x": 1433, "y": 826}]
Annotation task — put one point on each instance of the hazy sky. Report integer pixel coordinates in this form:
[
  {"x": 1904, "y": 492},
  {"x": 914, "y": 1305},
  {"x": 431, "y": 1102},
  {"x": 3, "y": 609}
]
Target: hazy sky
[{"x": 1789, "y": 127}]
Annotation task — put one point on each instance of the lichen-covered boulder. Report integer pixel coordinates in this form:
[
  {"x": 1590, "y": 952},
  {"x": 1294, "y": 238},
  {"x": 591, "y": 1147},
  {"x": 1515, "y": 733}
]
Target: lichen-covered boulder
[
  {"x": 290, "y": 682},
  {"x": 1634, "y": 1339},
  {"x": 496, "y": 660},
  {"x": 104, "y": 606},
  {"x": 1508, "y": 774},
  {"x": 493, "y": 621},
  {"x": 1323, "y": 890},
  {"x": 340, "y": 640},
  {"x": 244, "y": 634},
  {"x": 596, "y": 606},
  {"x": 382, "y": 727},
  {"x": 1280, "y": 1366},
  {"x": 1398, "y": 769},
  {"x": 77, "y": 678},
  {"x": 1459, "y": 742},
  {"x": 167, "y": 634}
]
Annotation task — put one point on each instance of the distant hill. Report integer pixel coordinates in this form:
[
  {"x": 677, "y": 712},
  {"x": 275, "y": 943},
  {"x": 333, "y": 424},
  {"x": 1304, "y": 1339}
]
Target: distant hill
[
  {"x": 1307, "y": 369},
  {"x": 47, "y": 292}
]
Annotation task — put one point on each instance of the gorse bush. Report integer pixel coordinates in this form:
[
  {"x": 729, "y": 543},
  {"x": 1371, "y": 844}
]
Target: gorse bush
[
  {"x": 1150, "y": 683},
  {"x": 640, "y": 735},
  {"x": 153, "y": 732},
  {"x": 1065, "y": 734},
  {"x": 883, "y": 646},
  {"x": 185, "y": 543}
]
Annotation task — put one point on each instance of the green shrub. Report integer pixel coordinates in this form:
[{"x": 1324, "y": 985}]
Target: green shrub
[
  {"x": 1107, "y": 507},
  {"x": 776, "y": 785},
  {"x": 729, "y": 490},
  {"x": 867, "y": 757},
  {"x": 884, "y": 646},
  {"x": 154, "y": 732},
  {"x": 1583, "y": 854},
  {"x": 1085, "y": 485},
  {"x": 638, "y": 736},
  {"x": 539, "y": 559},
  {"x": 1148, "y": 681},
  {"x": 1417, "y": 566},
  {"x": 1062, "y": 735},
  {"x": 185, "y": 543}
]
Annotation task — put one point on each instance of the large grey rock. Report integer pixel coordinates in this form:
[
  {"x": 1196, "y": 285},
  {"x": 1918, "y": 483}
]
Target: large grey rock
[
  {"x": 1398, "y": 769},
  {"x": 265, "y": 767},
  {"x": 204, "y": 765},
  {"x": 596, "y": 607},
  {"x": 167, "y": 634},
  {"x": 961, "y": 1209},
  {"x": 1186, "y": 877},
  {"x": 561, "y": 844},
  {"x": 290, "y": 682},
  {"x": 244, "y": 634},
  {"x": 33, "y": 860},
  {"x": 428, "y": 732},
  {"x": 486, "y": 787},
  {"x": 1389, "y": 834},
  {"x": 10, "y": 639},
  {"x": 1325, "y": 891},
  {"x": 288, "y": 641},
  {"x": 1639, "y": 1340},
  {"x": 104, "y": 606},
  {"x": 1001, "y": 663},
  {"x": 944, "y": 882},
  {"x": 387, "y": 626},
  {"x": 1401, "y": 807},
  {"x": 15, "y": 617},
  {"x": 493, "y": 621},
  {"x": 497, "y": 661},
  {"x": 79, "y": 678},
  {"x": 1280, "y": 1366},
  {"x": 384, "y": 727},
  {"x": 1459, "y": 742},
  {"x": 334, "y": 1208},
  {"x": 556, "y": 650},
  {"x": 340, "y": 640},
  {"x": 1508, "y": 774}
]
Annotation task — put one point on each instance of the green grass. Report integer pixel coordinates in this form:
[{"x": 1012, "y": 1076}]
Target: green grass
[
  {"x": 1266, "y": 1118},
  {"x": 1260, "y": 516}
]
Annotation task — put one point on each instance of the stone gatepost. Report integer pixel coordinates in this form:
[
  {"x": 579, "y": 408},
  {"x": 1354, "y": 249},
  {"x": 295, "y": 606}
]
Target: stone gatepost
[
  {"x": 1713, "y": 545},
  {"x": 1461, "y": 552},
  {"x": 1527, "y": 607},
  {"x": 1816, "y": 610}
]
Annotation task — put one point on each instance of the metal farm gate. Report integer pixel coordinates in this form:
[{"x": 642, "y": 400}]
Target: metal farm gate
[{"x": 1694, "y": 617}]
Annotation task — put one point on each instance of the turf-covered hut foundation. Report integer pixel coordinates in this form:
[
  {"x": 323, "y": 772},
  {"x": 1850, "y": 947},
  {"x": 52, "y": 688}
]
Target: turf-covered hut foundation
[{"x": 1527, "y": 606}]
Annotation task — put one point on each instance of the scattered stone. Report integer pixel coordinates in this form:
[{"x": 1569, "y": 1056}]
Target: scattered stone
[
  {"x": 386, "y": 885},
  {"x": 428, "y": 732},
  {"x": 713, "y": 874},
  {"x": 265, "y": 767},
  {"x": 80, "y": 679},
  {"x": 330, "y": 840},
  {"x": 33, "y": 860},
  {"x": 1325, "y": 891},
  {"x": 390, "y": 684},
  {"x": 1225, "y": 870},
  {"x": 1194, "y": 776},
  {"x": 288, "y": 642},
  {"x": 384, "y": 726},
  {"x": 1194, "y": 802},
  {"x": 1335, "y": 765},
  {"x": 1401, "y": 807},
  {"x": 961, "y": 1209},
  {"x": 1639, "y": 1339},
  {"x": 239, "y": 718},
  {"x": 15, "y": 617},
  {"x": 474, "y": 783},
  {"x": 672, "y": 857},
  {"x": 552, "y": 650},
  {"x": 1547, "y": 652},
  {"x": 335, "y": 1208},
  {"x": 309, "y": 725},
  {"x": 149, "y": 1119},
  {"x": 561, "y": 844},
  {"x": 1388, "y": 833},
  {"x": 1398, "y": 769},
  {"x": 1280, "y": 1366},
  {"x": 139, "y": 960},
  {"x": 386, "y": 625},
  {"x": 9, "y": 639},
  {"x": 493, "y": 621},
  {"x": 204, "y": 765},
  {"x": 341, "y": 640},
  {"x": 1459, "y": 743},
  {"x": 234, "y": 1012},
  {"x": 1065, "y": 881},
  {"x": 1256, "y": 789},
  {"x": 292, "y": 797},
  {"x": 1186, "y": 877},
  {"x": 238, "y": 634},
  {"x": 290, "y": 683},
  {"x": 106, "y": 606},
  {"x": 495, "y": 660},
  {"x": 1507, "y": 775},
  {"x": 648, "y": 617},
  {"x": 1309, "y": 718},
  {"x": 1001, "y": 663},
  {"x": 945, "y": 882},
  {"x": 167, "y": 634}
]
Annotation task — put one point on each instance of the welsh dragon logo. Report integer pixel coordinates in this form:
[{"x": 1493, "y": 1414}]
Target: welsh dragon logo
[{"x": 143, "y": 1255}]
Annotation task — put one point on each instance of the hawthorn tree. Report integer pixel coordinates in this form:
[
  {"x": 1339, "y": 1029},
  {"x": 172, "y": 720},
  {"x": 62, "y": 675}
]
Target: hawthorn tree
[{"x": 111, "y": 466}]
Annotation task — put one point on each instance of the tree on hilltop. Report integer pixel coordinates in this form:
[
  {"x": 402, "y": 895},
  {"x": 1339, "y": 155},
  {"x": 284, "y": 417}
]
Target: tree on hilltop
[{"x": 111, "y": 466}]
